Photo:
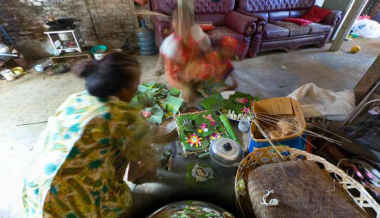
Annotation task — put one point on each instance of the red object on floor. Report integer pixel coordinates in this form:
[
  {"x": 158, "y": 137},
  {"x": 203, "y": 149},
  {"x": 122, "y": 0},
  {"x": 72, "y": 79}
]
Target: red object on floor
[
  {"x": 207, "y": 27},
  {"x": 299, "y": 21},
  {"x": 316, "y": 14}
]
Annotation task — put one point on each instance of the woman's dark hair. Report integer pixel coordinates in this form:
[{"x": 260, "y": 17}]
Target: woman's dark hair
[{"x": 108, "y": 76}]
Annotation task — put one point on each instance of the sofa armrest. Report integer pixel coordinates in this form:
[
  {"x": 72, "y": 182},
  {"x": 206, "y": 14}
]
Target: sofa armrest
[
  {"x": 241, "y": 23},
  {"x": 261, "y": 23},
  {"x": 334, "y": 18}
]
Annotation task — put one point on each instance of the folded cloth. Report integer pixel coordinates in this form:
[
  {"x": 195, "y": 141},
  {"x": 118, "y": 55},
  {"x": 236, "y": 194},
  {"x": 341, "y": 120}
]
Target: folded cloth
[
  {"x": 294, "y": 29},
  {"x": 299, "y": 21},
  {"x": 316, "y": 14}
]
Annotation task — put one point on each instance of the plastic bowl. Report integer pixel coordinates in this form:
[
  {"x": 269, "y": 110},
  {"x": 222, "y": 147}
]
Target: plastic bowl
[{"x": 99, "y": 49}]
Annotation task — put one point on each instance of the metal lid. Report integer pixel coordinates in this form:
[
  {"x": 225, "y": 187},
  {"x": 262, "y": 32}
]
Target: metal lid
[{"x": 226, "y": 152}]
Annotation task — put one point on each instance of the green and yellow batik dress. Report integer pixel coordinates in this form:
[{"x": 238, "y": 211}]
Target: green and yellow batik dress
[{"x": 83, "y": 154}]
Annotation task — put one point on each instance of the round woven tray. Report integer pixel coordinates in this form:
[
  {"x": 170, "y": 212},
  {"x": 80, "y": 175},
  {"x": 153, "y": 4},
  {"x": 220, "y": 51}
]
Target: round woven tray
[{"x": 261, "y": 156}]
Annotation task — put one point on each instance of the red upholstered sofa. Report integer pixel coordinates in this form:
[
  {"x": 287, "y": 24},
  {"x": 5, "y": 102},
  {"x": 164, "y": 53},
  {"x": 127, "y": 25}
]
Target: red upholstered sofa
[
  {"x": 271, "y": 33},
  {"x": 219, "y": 12}
]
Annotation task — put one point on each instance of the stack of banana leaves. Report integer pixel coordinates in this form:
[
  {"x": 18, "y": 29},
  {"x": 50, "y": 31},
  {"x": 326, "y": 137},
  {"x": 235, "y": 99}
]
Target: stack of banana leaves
[{"x": 158, "y": 102}]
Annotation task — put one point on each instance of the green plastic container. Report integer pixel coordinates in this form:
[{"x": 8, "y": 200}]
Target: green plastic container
[{"x": 98, "y": 51}]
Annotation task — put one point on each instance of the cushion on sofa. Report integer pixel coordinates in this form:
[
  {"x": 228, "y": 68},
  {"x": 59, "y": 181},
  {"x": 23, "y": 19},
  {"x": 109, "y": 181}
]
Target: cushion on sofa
[
  {"x": 273, "y": 31},
  {"x": 319, "y": 28},
  {"x": 297, "y": 13},
  {"x": 297, "y": 30},
  {"x": 316, "y": 14},
  {"x": 294, "y": 29},
  {"x": 278, "y": 15},
  {"x": 215, "y": 19},
  {"x": 299, "y": 21}
]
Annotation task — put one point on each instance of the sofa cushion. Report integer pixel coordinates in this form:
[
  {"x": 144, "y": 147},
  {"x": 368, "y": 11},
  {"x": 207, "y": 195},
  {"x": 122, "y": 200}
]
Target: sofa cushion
[
  {"x": 294, "y": 29},
  {"x": 297, "y": 20},
  {"x": 319, "y": 28},
  {"x": 278, "y": 15},
  {"x": 297, "y": 13},
  {"x": 273, "y": 32},
  {"x": 219, "y": 32},
  {"x": 297, "y": 30},
  {"x": 316, "y": 14},
  {"x": 216, "y": 19}
]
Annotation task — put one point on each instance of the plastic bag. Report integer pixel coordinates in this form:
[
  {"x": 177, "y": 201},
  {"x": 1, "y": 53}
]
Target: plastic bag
[
  {"x": 318, "y": 102},
  {"x": 366, "y": 28}
]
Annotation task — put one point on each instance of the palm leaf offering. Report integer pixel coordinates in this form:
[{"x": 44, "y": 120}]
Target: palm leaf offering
[
  {"x": 198, "y": 130},
  {"x": 158, "y": 102},
  {"x": 236, "y": 106}
]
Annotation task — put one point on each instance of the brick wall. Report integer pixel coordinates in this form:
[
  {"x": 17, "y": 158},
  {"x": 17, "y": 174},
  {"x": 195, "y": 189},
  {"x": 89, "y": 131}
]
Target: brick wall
[{"x": 107, "y": 21}]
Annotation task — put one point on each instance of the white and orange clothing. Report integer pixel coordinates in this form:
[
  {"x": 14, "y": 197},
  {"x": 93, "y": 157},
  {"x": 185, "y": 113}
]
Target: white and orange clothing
[{"x": 177, "y": 54}]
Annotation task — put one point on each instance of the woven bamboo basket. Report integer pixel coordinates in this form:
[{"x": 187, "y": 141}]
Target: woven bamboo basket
[
  {"x": 286, "y": 107},
  {"x": 267, "y": 155}
]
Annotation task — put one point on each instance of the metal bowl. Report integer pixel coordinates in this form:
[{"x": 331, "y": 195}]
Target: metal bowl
[
  {"x": 226, "y": 152},
  {"x": 191, "y": 209}
]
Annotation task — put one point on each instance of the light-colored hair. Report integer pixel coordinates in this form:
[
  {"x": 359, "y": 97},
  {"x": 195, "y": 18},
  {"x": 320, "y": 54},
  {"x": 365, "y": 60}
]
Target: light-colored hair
[{"x": 183, "y": 20}]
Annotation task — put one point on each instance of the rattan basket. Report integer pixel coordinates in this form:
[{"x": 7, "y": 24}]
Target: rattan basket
[
  {"x": 267, "y": 155},
  {"x": 279, "y": 106}
]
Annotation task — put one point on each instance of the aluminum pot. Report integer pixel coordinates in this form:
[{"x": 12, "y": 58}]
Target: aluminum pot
[{"x": 226, "y": 152}]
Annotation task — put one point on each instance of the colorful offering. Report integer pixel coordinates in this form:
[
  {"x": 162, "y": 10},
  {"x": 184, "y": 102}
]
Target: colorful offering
[
  {"x": 236, "y": 107},
  {"x": 197, "y": 130}
]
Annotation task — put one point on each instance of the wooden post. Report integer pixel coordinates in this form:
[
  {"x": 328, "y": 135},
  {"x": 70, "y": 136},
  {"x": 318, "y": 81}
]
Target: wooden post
[
  {"x": 355, "y": 11},
  {"x": 368, "y": 80}
]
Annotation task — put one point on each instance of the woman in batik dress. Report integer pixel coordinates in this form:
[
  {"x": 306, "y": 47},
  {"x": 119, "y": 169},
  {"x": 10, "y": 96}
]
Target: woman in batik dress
[{"x": 84, "y": 151}]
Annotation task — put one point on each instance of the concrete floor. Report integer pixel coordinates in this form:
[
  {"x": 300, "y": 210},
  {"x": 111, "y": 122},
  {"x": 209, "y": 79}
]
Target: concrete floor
[{"x": 35, "y": 97}]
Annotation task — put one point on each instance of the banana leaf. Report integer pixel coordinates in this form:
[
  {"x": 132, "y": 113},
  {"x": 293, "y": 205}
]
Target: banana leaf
[
  {"x": 173, "y": 104},
  {"x": 157, "y": 114},
  {"x": 175, "y": 92},
  {"x": 213, "y": 102}
]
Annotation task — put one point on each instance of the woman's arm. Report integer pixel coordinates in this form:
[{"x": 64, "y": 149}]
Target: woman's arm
[{"x": 201, "y": 38}]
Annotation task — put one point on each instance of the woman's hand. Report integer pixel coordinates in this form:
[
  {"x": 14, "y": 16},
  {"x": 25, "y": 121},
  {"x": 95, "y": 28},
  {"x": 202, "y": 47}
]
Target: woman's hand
[
  {"x": 166, "y": 132},
  {"x": 138, "y": 172}
]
